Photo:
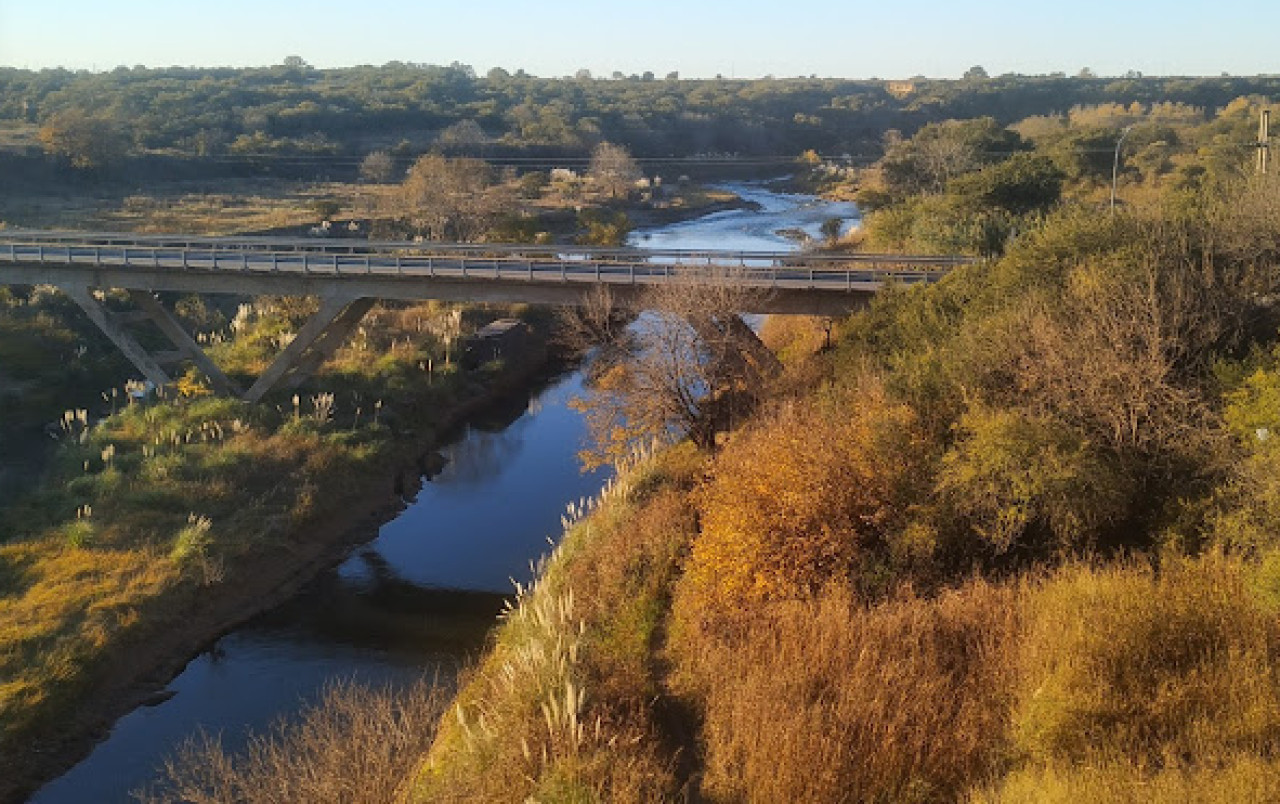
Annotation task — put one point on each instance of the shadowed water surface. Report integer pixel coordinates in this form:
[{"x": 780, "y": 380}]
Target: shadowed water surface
[
  {"x": 421, "y": 597},
  {"x": 417, "y": 600}
]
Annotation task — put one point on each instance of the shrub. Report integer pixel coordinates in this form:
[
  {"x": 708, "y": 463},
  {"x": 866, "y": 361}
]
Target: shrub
[
  {"x": 355, "y": 745},
  {"x": 1151, "y": 669},
  {"x": 818, "y": 493},
  {"x": 1015, "y": 475},
  {"x": 825, "y": 700}
]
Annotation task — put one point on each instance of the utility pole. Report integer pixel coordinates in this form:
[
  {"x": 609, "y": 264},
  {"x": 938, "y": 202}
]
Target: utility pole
[
  {"x": 1264, "y": 141},
  {"x": 1115, "y": 166}
]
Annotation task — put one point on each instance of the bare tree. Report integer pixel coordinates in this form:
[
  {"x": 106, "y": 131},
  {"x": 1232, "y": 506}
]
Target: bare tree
[
  {"x": 943, "y": 158},
  {"x": 613, "y": 170},
  {"x": 378, "y": 168},
  {"x": 443, "y": 198},
  {"x": 687, "y": 367}
]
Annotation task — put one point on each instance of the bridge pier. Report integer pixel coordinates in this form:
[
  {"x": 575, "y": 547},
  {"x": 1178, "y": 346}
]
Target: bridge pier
[
  {"x": 316, "y": 342},
  {"x": 744, "y": 347},
  {"x": 113, "y": 328},
  {"x": 186, "y": 345}
]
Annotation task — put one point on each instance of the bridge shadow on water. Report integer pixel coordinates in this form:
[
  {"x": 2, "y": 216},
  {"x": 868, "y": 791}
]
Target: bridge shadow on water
[{"x": 376, "y": 608}]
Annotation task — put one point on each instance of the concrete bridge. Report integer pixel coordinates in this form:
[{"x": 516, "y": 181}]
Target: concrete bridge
[{"x": 350, "y": 275}]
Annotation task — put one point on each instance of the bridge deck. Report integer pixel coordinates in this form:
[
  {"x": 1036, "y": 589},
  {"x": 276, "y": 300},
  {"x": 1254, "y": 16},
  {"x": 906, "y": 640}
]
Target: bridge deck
[
  {"x": 788, "y": 280},
  {"x": 348, "y": 275}
]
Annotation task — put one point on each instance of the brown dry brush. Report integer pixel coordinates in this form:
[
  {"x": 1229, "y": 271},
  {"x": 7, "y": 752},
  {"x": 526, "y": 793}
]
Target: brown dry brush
[
  {"x": 826, "y": 700},
  {"x": 355, "y": 745}
]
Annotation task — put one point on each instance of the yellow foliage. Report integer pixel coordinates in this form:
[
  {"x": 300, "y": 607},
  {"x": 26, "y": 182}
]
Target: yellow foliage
[
  {"x": 1152, "y": 668},
  {"x": 795, "y": 337},
  {"x": 191, "y": 384},
  {"x": 825, "y": 700},
  {"x": 1243, "y": 780},
  {"x": 810, "y": 497}
]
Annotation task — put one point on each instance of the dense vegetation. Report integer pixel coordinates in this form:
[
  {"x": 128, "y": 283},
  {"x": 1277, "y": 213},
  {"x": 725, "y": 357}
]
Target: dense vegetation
[
  {"x": 1012, "y": 537},
  {"x": 296, "y": 120}
]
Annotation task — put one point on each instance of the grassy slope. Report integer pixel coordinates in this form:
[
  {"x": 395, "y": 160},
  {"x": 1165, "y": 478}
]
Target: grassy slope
[
  {"x": 568, "y": 704},
  {"x": 1106, "y": 679},
  {"x": 163, "y": 524}
]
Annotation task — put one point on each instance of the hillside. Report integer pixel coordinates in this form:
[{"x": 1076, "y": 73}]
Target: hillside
[{"x": 1012, "y": 537}]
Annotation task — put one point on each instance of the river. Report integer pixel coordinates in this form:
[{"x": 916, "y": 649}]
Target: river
[{"x": 421, "y": 597}]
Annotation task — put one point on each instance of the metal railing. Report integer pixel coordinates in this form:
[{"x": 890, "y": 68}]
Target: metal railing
[{"x": 486, "y": 261}]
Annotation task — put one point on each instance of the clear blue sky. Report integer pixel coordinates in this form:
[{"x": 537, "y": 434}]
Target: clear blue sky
[{"x": 749, "y": 38}]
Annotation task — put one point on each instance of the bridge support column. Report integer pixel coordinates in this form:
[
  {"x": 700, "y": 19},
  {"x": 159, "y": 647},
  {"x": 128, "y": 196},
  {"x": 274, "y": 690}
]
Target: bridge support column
[
  {"x": 761, "y": 358},
  {"x": 126, "y": 343},
  {"x": 740, "y": 343},
  {"x": 318, "y": 339},
  {"x": 329, "y": 341},
  {"x": 187, "y": 347}
]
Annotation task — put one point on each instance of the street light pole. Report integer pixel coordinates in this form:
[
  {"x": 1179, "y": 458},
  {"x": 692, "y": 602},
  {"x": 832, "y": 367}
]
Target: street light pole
[{"x": 1115, "y": 167}]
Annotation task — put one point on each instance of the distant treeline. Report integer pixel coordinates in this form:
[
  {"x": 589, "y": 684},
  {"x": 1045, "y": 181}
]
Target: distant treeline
[{"x": 296, "y": 116}]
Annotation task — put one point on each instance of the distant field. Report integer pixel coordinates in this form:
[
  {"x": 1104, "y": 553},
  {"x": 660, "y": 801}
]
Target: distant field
[
  {"x": 205, "y": 207},
  {"x": 18, "y": 136}
]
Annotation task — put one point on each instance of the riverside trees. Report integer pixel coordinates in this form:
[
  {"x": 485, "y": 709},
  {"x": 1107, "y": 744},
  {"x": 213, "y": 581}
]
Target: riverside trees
[
  {"x": 613, "y": 170},
  {"x": 443, "y": 198},
  {"x": 688, "y": 366},
  {"x": 287, "y": 110}
]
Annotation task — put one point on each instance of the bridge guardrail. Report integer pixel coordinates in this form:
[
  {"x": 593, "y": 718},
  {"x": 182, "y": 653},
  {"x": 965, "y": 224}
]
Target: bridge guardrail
[
  {"x": 482, "y": 262},
  {"x": 356, "y": 246}
]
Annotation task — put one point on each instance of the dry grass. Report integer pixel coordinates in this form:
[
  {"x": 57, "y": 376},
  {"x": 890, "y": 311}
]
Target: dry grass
[
  {"x": 59, "y": 606},
  {"x": 1114, "y": 683},
  {"x": 355, "y": 745},
  {"x": 828, "y": 701},
  {"x": 562, "y": 708},
  {"x": 212, "y": 207},
  {"x": 236, "y": 207},
  {"x": 1242, "y": 780},
  {"x": 1152, "y": 669}
]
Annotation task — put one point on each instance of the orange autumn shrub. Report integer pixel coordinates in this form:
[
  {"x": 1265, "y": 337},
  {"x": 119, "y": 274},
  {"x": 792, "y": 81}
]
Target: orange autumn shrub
[
  {"x": 828, "y": 700},
  {"x": 816, "y": 493}
]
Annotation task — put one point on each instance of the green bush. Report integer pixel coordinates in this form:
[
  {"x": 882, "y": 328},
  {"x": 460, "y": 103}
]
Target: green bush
[{"x": 1127, "y": 664}]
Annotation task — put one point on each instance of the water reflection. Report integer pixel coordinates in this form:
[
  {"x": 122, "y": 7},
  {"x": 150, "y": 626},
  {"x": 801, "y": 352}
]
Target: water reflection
[
  {"x": 422, "y": 596},
  {"x": 499, "y": 497},
  {"x": 417, "y": 600}
]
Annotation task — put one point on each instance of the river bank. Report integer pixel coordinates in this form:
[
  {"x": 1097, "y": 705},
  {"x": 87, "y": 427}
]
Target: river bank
[
  {"x": 748, "y": 224},
  {"x": 135, "y": 668},
  {"x": 653, "y": 217}
]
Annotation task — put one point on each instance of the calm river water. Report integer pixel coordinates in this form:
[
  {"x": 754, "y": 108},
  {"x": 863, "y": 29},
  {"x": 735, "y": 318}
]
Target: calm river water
[{"x": 420, "y": 598}]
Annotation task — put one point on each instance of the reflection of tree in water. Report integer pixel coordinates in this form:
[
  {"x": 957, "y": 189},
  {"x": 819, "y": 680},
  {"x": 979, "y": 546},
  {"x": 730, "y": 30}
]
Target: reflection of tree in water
[{"x": 480, "y": 455}]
